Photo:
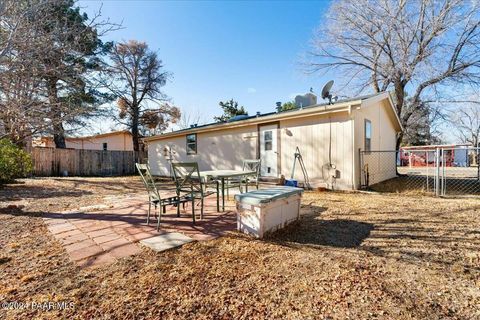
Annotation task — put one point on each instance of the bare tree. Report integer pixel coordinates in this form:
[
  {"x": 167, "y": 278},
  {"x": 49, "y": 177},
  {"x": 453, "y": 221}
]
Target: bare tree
[
  {"x": 8, "y": 28},
  {"x": 21, "y": 106},
  {"x": 50, "y": 52},
  {"x": 13, "y": 18},
  {"x": 466, "y": 122},
  {"x": 410, "y": 47},
  {"x": 190, "y": 118},
  {"x": 71, "y": 57},
  {"x": 135, "y": 78}
]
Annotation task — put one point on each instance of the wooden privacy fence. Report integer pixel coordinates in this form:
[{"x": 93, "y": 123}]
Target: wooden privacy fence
[{"x": 77, "y": 162}]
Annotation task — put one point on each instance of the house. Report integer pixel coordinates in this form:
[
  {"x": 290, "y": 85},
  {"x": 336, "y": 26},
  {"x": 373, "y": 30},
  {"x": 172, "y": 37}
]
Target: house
[
  {"x": 117, "y": 140},
  {"x": 329, "y": 136}
]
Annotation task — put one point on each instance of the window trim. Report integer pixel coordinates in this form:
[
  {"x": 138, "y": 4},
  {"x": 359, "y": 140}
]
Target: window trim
[
  {"x": 367, "y": 122},
  {"x": 189, "y": 143}
]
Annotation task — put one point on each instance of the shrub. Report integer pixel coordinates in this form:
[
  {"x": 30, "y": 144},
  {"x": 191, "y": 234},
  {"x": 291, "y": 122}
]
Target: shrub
[{"x": 14, "y": 162}]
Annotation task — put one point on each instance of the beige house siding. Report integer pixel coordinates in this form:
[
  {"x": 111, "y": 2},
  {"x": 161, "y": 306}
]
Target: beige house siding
[
  {"x": 121, "y": 141},
  {"x": 224, "y": 146},
  {"x": 382, "y": 164},
  {"x": 227, "y": 148},
  {"x": 223, "y": 149},
  {"x": 312, "y": 136}
]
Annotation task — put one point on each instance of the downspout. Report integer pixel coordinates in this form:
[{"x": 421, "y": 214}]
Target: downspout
[{"x": 352, "y": 127}]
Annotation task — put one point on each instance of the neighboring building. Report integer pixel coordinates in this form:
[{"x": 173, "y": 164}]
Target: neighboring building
[
  {"x": 455, "y": 155},
  {"x": 115, "y": 141},
  {"x": 329, "y": 137}
]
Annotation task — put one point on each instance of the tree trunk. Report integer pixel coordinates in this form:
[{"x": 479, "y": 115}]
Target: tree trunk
[
  {"x": 59, "y": 135},
  {"x": 135, "y": 131},
  {"x": 136, "y": 138},
  {"x": 400, "y": 100},
  {"x": 56, "y": 115},
  {"x": 399, "y": 141}
]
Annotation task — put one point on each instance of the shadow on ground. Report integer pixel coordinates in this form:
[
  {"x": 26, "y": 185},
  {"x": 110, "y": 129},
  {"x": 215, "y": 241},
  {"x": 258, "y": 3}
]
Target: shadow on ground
[
  {"x": 420, "y": 184},
  {"x": 20, "y": 191},
  {"x": 312, "y": 230}
]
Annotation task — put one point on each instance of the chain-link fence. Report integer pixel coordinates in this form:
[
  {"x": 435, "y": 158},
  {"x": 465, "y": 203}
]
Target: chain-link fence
[{"x": 435, "y": 170}]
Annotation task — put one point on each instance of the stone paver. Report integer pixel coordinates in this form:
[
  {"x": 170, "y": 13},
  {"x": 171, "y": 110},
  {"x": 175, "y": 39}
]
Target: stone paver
[
  {"x": 83, "y": 253},
  {"x": 97, "y": 260},
  {"x": 96, "y": 238},
  {"x": 61, "y": 228},
  {"x": 125, "y": 250},
  {"x": 72, "y": 239},
  {"x": 106, "y": 238},
  {"x": 80, "y": 245},
  {"x": 166, "y": 241},
  {"x": 105, "y": 231}
]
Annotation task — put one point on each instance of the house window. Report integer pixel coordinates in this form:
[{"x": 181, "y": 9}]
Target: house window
[
  {"x": 267, "y": 138},
  {"x": 192, "y": 143},
  {"x": 105, "y": 146},
  {"x": 368, "y": 135}
]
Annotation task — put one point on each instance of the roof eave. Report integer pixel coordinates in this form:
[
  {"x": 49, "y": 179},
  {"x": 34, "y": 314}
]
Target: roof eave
[
  {"x": 316, "y": 109},
  {"x": 382, "y": 96}
]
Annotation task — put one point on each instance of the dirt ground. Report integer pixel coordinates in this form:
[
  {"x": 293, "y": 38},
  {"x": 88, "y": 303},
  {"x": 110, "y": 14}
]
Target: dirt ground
[{"x": 351, "y": 256}]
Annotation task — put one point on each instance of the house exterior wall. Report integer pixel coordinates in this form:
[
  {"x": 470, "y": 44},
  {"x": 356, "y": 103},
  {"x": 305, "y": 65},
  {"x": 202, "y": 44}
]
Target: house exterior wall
[
  {"x": 381, "y": 165},
  {"x": 223, "y": 149},
  {"x": 226, "y": 149},
  {"x": 313, "y": 135},
  {"x": 119, "y": 142},
  {"x": 342, "y": 130}
]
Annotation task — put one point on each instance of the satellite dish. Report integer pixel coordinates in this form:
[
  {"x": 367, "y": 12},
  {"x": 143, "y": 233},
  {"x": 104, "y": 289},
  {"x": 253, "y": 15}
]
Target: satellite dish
[{"x": 326, "y": 91}]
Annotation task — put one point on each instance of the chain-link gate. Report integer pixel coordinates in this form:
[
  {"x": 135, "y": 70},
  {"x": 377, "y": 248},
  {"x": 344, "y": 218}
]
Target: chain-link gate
[{"x": 440, "y": 170}]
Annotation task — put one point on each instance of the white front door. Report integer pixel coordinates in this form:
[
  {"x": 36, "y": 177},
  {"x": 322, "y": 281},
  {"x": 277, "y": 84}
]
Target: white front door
[{"x": 268, "y": 151}]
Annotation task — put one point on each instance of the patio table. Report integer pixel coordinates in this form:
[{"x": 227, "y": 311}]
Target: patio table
[{"x": 226, "y": 174}]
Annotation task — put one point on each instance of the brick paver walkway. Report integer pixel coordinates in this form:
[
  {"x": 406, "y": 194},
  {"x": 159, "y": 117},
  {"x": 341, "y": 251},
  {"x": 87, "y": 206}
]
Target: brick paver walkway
[{"x": 99, "y": 237}]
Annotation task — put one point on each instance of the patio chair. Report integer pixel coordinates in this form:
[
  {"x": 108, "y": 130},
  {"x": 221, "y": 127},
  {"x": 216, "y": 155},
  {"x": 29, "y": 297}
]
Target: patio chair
[
  {"x": 252, "y": 165},
  {"x": 154, "y": 196},
  {"x": 248, "y": 165},
  {"x": 188, "y": 181}
]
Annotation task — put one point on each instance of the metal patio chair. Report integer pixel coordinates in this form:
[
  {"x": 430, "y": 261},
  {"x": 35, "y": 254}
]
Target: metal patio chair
[
  {"x": 248, "y": 165},
  {"x": 189, "y": 182},
  {"x": 154, "y": 196},
  {"x": 252, "y": 165}
]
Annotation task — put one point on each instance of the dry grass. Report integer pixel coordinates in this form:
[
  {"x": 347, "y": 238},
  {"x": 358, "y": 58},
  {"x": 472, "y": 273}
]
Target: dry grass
[{"x": 350, "y": 256}]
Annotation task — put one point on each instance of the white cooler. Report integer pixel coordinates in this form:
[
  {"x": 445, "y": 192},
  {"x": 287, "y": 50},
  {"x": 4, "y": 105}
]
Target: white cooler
[{"x": 267, "y": 210}]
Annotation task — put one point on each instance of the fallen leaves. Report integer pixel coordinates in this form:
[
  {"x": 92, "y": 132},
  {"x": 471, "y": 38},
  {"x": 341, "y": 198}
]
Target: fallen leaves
[{"x": 351, "y": 256}]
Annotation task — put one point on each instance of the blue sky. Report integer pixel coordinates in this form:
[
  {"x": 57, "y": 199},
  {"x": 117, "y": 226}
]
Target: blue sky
[{"x": 249, "y": 51}]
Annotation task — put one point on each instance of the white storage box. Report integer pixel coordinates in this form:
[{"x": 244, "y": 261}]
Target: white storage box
[{"x": 267, "y": 210}]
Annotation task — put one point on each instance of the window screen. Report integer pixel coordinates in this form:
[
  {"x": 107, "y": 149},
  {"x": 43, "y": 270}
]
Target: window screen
[
  {"x": 368, "y": 135},
  {"x": 267, "y": 138},
  {"x": 192, "y": 143}
]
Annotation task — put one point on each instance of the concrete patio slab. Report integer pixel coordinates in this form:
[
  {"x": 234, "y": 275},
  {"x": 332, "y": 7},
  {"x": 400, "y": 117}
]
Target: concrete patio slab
[{"x": 166, "y": 241}]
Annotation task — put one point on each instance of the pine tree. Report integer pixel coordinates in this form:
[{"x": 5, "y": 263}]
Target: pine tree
[{"x": 230, "y": 109}]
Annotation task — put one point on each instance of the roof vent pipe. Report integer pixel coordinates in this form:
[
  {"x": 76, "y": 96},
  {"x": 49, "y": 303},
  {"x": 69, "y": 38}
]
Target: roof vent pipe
[{"x": 258, "y": 113}]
